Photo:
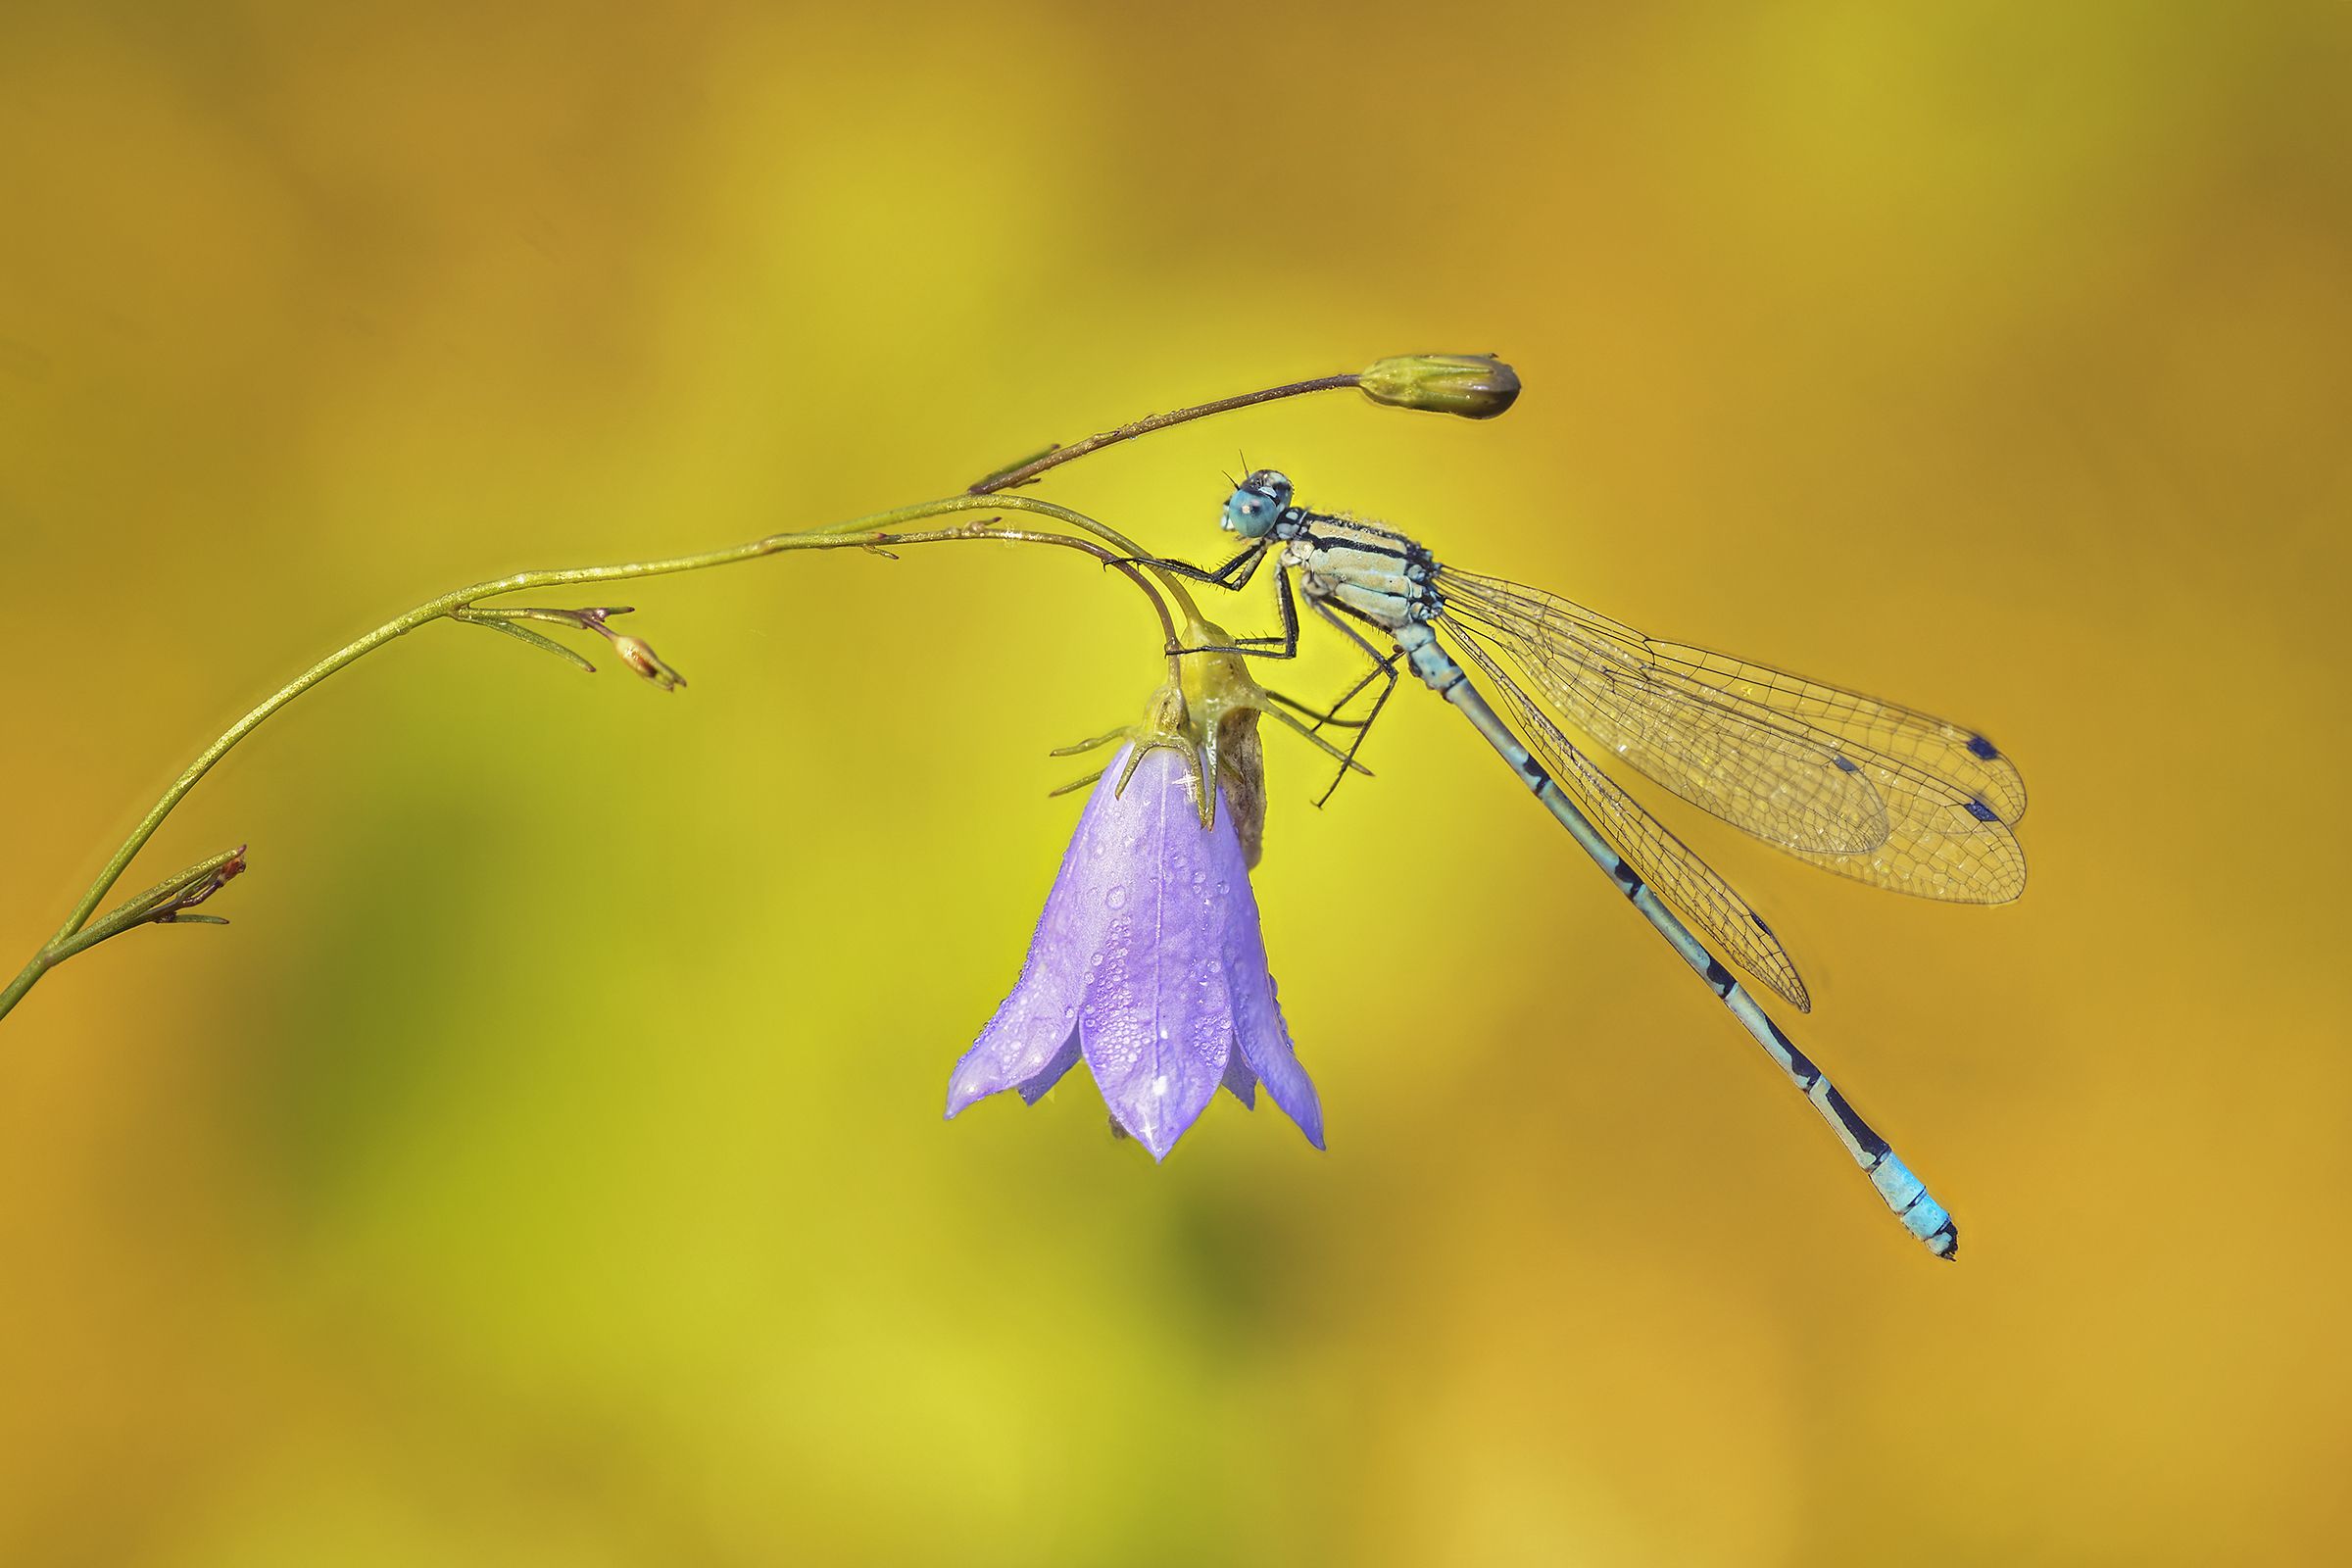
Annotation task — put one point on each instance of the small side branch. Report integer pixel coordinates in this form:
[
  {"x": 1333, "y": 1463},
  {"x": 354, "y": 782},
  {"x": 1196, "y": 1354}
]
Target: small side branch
[{"x": 167, "y": 902}]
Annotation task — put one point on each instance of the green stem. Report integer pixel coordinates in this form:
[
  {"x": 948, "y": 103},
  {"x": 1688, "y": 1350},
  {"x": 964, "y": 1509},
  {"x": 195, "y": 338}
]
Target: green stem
[
  {"x": 27, "y": 978},
  {"x": 168, "y": 900},
  {"x": 882, "y": 529}
]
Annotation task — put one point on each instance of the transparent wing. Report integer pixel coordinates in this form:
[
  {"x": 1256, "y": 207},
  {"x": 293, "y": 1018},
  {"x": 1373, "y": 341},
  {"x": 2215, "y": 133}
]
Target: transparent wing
[
  {"x": 1697, "y": 722},
  {"x": 1660, "y": 858},
  {"x": 1907, "y": 740},
  {"x": 1783, "y": 784}
]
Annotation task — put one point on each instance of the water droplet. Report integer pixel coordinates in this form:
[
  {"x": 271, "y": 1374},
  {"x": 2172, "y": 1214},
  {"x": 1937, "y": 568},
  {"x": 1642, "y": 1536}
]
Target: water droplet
[
  {"x": 1200, "y": 877},
  {"x": 1117, "y": 898}
]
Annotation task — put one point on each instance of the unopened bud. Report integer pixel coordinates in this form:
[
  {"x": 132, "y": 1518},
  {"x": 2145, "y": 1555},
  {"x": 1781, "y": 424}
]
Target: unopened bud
[
  {"x": 639, "y": 656},
  {"x": 1476, "y": 386}
]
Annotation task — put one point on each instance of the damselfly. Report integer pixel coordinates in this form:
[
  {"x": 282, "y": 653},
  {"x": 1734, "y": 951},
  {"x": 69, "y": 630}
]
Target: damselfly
[{"x": 1880, "y": 792}]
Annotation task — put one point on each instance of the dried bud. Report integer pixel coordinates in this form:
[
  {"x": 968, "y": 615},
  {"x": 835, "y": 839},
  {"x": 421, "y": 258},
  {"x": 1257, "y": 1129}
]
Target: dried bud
[
  {"x": 1476, "y": 386},
  {"x": 173, "y": 901},
  {"x": 639, "y": 656},
  {"x": 1242, "y": 774}
]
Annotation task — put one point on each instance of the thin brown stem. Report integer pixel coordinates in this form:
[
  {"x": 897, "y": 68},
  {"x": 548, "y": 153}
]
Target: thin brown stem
[{"x": 1027, "y": 471}]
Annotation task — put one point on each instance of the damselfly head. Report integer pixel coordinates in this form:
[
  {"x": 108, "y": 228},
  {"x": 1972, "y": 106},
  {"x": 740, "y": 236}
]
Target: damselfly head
[{"x": 1256, "y": 503}]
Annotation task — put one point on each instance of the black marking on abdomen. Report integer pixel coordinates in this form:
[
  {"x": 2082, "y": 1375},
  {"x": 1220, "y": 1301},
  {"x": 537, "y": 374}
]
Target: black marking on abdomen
[
  {"x": 1801, "y": 1066},
  {"x": 1629, "y": 881},
  {"x": 1719, "y": 977},
  {"x": 1872, "y": 1143}
]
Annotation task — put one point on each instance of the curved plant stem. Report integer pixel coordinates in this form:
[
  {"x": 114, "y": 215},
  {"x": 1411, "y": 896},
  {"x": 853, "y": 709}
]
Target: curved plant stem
[
  {"x": 167, "y": 901},
  {"x": 1027, "y": 470},
  {"x": 881, "y": 530}
]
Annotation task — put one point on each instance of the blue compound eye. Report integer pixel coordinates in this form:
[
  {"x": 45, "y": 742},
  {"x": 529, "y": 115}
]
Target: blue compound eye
[{"x": 1256, "y": 503}]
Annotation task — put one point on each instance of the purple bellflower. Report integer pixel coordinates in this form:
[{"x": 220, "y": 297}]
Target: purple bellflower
[{"x": 1148, "y": 963}]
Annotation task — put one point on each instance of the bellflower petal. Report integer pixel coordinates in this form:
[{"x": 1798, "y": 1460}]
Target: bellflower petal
[
  {"x": 1025, "y": 1038},
  {"x": 1149, "y": 965},
  {"x": 1262, "y": 1039},
  {"x": 1241, "y": 1082},
  {"x": 1156, "y": 1026},
  {"x": 1036, "y": 1089}
]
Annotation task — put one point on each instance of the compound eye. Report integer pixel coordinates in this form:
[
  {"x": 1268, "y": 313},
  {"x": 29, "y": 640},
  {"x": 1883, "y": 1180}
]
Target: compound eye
[
  {"x": 1272, "y": 484},
  {"x": 1256, "y": 503}
]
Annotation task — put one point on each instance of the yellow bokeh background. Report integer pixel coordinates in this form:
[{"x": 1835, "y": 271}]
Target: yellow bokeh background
[{"x": 547, "y": 1165}]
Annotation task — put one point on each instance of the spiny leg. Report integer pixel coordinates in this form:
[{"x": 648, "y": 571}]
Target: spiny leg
[
  {"x": 1380, "y": 668},
  {"x": 1285, "y": 645},
  {"x": 1093, "y": 742},
  {"x": 1346, "y": 764},
  {"x": 1245, "y": 565},
  {"x": 1234, "y": 576},
  {"x": 1383, "y": 670},
  {"x": 1322, "y": 715}
]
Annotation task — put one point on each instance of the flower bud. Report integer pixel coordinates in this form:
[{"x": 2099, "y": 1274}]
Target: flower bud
[
  {"x": 639, "y": 656},
  {"x": 1476, "y": 386}
]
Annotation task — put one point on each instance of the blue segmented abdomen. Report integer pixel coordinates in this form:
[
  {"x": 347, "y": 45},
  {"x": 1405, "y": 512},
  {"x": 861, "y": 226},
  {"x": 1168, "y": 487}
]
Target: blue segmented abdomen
[{"x": 1904, "y": 1192}]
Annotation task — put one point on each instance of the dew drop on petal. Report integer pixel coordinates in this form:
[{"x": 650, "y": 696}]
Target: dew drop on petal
[
  {"x": 1117, "y": 898},
  {"x": 1199, "y": 878}
]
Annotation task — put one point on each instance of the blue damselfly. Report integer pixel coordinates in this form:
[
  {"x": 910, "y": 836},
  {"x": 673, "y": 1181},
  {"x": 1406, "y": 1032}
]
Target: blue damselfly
[{"x": 1880, "y": 792}]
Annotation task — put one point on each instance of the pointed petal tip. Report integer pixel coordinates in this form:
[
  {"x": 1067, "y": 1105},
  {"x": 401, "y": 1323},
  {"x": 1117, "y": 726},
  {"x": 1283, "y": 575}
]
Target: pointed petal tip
[
  {"x": 1310, "y": 1126},
  {"x": 1159, "y": 1141},
  {"x": 1302, "y": 1105}
]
